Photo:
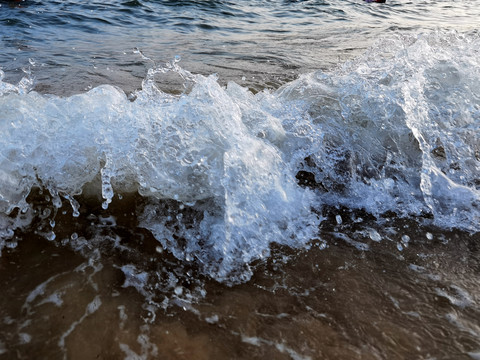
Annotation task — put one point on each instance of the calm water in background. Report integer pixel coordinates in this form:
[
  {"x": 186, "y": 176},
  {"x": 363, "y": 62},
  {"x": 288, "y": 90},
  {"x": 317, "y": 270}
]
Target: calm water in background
[
  {"x": 323, "y": 205},
  {"x": 76, "y": 45}
]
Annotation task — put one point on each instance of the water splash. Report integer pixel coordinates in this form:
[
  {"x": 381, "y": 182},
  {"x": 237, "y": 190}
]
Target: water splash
[{"x": 225, "y": 173}]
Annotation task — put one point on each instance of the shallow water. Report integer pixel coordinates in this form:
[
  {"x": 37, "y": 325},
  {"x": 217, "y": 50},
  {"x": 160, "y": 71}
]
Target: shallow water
[
  {"x": 198, "y": 180},
  {"x": 330, "y": 301}
]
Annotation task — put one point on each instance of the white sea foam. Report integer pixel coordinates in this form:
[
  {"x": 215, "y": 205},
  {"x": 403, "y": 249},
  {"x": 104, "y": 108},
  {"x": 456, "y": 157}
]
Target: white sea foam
[
  {"x": 395, "y": 130},
  {"x": 400, "y": 128}
]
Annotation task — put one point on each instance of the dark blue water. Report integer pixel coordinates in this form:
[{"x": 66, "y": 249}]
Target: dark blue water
[
  {"x": 76, "y": 44},
  {"x": 244, "y": 180}
]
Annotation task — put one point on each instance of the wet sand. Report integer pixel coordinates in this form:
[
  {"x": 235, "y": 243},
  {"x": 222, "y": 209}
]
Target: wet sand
[{"x": 116, "y": 297}]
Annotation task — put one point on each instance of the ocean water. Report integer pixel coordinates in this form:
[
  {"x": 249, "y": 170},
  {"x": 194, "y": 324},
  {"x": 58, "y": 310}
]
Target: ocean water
[{"x": 209, "y": 179}]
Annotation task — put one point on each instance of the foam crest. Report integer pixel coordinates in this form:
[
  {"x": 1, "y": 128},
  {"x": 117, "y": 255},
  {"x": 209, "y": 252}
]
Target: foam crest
[
  {"x": 400, "y": 128},
  {"x": 395, "y": 130},
  {"x": 203, "y": 152}
]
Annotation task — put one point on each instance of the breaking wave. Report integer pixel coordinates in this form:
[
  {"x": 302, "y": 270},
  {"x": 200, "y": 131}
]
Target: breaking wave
[{"x": 225, "y": 173}]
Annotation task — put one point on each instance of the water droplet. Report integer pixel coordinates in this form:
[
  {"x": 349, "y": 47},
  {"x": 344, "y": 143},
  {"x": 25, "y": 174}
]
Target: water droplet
[
  {"x": 212, "y": 319},
  {"x": 178, "y": 290},
  {"x": 322, "y": 245},
  {"x": 339, "y": 219},
  {"x": 11, "y": 244},
  {"x": 46, "y": 213},
  {"x": 374, "y": 235}
]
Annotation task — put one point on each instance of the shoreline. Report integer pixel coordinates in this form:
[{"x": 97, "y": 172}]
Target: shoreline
[{"x": 395, "y": 299}]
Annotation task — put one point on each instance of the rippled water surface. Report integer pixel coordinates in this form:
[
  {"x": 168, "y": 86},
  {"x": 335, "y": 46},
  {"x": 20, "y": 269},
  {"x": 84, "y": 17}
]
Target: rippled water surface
[
  {"x": 239, "y": 180},
  {"x": 255, "y": 43}
]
